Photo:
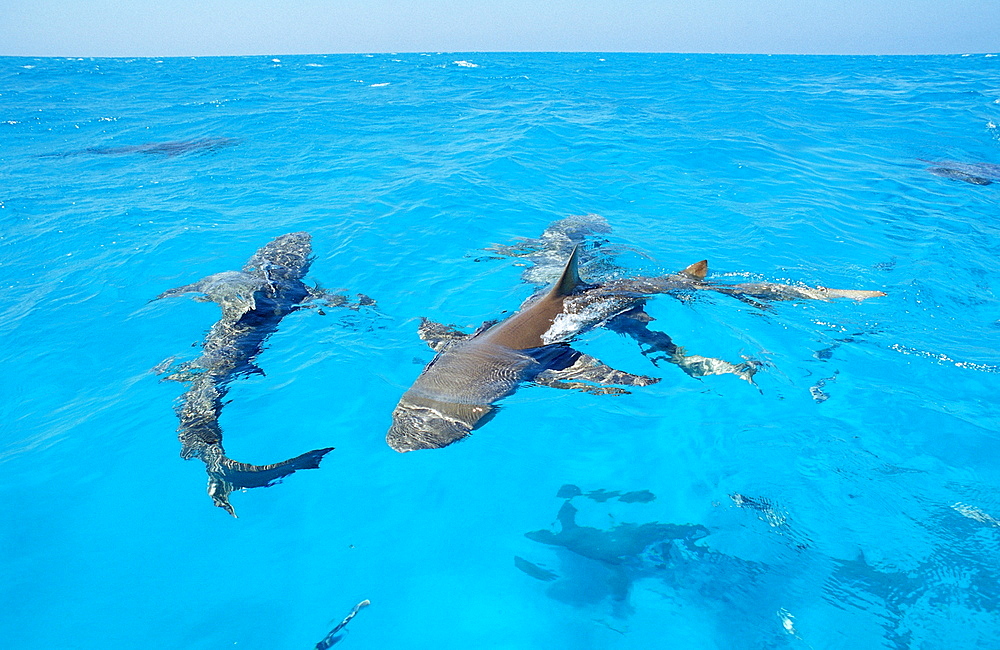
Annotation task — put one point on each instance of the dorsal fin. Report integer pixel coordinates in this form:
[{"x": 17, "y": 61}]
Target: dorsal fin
[
  {"x": 697, "y": 270},
  {"x": 570, "y": 278}
]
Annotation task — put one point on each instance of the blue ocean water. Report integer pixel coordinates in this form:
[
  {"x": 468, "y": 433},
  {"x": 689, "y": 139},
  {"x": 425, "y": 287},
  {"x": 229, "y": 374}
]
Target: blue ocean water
[{"x": 850, "y": 497}]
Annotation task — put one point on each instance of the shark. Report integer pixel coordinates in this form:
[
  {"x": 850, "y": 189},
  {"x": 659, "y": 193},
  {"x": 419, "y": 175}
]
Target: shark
[
  {"x": 972, "y": 173},
  {"x": 166, "y": 149},
  {"x": 456, "y": 392},
  {"x": 253, "y": 301}
]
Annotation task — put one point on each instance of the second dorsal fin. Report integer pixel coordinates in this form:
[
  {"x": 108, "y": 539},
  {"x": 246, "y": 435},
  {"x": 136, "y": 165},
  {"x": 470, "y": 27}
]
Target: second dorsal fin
[{"x": 697, "y": 270}]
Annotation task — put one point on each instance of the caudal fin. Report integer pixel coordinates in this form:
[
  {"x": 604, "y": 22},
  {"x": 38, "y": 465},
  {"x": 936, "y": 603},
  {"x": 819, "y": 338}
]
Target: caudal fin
[
  {"x": 244, "y": 475},
  {"x": 232, "y": 475}
]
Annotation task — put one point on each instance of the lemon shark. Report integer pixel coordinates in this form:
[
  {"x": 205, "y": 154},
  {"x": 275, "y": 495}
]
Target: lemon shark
[
  {"x": 254, "y": 300},
  {"x": 456, "y": 392}
]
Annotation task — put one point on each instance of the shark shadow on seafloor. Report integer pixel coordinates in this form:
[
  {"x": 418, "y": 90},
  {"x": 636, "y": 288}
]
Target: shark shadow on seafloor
[
  {"x": 253, "y": 302},
  {"x": 599, "y": 568}
]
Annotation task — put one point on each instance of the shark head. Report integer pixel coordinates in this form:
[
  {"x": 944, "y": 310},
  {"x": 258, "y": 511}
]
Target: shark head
[
  {"x": 285, "y": 258},
  {"x": 426, "y": 426}
]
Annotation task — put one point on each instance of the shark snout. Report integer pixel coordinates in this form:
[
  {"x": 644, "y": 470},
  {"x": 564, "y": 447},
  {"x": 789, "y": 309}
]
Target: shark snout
[{"x": 419, "y": 427}]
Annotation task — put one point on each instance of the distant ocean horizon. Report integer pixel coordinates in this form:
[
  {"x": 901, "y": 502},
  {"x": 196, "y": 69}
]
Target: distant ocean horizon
[{"x": 847, "y": 497}]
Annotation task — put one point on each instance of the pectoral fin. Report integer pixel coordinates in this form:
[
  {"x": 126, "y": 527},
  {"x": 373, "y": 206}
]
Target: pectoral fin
[
  {"x": 658, "y": 346},
  {"x": 194, "y": 287},
  {"x": 533, "y": 570},
  {"x": 590, "y": 375},
  {"x": 232, "y": 290},
  {"x": 699, "y": 366},
  {"x": 438, "y": 335}
]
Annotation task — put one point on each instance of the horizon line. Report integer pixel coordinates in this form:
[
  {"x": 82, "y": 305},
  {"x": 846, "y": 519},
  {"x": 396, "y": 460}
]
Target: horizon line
[{"x": 480, "y": 52}]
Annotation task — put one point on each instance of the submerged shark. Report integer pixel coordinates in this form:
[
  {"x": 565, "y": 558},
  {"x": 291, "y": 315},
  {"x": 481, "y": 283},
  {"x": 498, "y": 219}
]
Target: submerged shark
[
  {"x": 253, "y": 302},
  {"x": 455, "y": 393},
  {"x": 974, "y": 173},
  {"x": 168, "y": 149}
]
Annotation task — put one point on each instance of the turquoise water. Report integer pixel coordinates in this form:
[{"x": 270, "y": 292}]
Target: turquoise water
[{"x": 850, "y": 497}]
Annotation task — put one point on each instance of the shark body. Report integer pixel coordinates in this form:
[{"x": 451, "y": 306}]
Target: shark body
[
  {"x": 455, "y": 393},
  {"x": 166, "y": 149},
  {"x": 972, "y": 173},
  {"x": 253, "y": 301}
]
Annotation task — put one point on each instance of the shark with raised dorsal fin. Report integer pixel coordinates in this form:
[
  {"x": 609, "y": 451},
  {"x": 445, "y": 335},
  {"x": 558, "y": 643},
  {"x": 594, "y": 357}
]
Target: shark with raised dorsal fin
[
  {"x": 253, "y": 300},
  {"x": 456, "y": 392}
]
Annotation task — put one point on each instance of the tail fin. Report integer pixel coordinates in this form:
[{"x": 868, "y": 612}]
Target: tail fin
[
  {"x": 232, "y": 475},
  {"x": 570, "y": 278}
]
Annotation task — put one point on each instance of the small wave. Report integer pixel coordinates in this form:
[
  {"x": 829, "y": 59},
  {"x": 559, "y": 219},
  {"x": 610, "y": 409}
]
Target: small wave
[
  {"x": 386, "y": 83},
  {"x": 466, "y": 64},
  {"x": 945, "y": 359}
]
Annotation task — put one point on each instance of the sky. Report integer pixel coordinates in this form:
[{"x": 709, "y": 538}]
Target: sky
[{"x": 126, "y": 28}]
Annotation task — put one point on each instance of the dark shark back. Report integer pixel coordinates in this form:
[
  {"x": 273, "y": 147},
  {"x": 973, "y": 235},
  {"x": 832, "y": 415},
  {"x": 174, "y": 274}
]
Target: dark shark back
[
  {"x": 526, "y": 329},
  {"x": 283, "y": 259}
]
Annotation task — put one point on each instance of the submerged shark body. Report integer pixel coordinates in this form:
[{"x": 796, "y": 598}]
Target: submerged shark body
[
  {"x": 974, "y": 173},
  {"x": 455, "y": 393},
  {"x": 253, "y": 302},
  {"x": 168, "y": 149}
]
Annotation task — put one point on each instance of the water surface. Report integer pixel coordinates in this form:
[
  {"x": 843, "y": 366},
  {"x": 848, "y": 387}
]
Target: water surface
[{"x": 851, "y": 497}]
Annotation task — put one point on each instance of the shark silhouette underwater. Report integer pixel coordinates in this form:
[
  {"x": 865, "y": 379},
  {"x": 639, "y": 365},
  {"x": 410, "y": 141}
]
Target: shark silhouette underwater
[
  {"x": 615, "y": 557},
  {"x": 972, "y": 173},
  {"x": 603, "y": 565},
  {"x": 455, "y": 393},
  {"x": 165, "y": 149},
  {"x": 253, "y": 302}
]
